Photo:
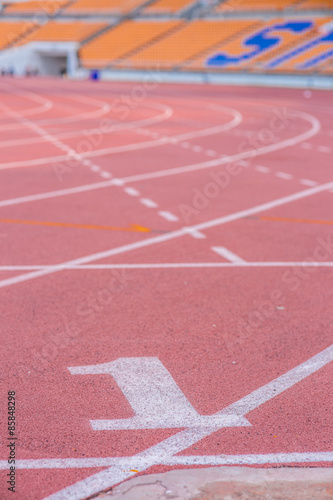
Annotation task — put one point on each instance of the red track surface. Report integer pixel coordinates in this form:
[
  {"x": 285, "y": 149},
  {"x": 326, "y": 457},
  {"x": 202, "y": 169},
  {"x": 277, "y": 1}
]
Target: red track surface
[{"x": 222, "y": 332}]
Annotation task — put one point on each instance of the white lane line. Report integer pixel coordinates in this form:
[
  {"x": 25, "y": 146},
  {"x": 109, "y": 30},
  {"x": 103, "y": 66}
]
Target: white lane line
[
  {"x": 148, "y": 203},
  {"x": 240, "y": 156},
  {"x": 132, "y": 191},
  {"x": 182, "y": 440},
  {"x": 283, "y": 175},
  {"x": 189, "y": 168},
  {"x": 226, "y": 254},
  {"x": 210, "y": 152},
  {"x": 307, "y": 182},
  {"x": 263, "y": 170},
  {"x": 168, "y": 236},
  {"x": 244, "y": 163},
  {"x": 324, "y": 149},
  {"x": 106, "y": 175},
  {"x": 117, "y": 182},
  {"x": 198, "y": 235},
  {"x": 168, "y": 216},
  {"x": 306, "y": 145},
  {"x": 135, "y": 146},
  {"x": 197, "y": 149},
  {"x": 95, "y": 168},
  {"x": 171, "y": 265},
  {"x": 185, "y": 145},
  {"x": 135, "y": 462}
]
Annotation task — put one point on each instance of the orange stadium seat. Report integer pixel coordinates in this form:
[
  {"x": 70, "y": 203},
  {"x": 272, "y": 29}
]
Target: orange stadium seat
[
  {"x": 230, "y": 5},
  {"x": 186, "y": 43},
  {"x": 122, "y": 40},
  {"x": 315, "y": 4},
  {"x": 55, "y": 31},
  {"x": 90, "y": 7},
  {"x": 10, "y": 32},
  {"x": 167, "y": 6},
  {"x": 48, "y": 7}
]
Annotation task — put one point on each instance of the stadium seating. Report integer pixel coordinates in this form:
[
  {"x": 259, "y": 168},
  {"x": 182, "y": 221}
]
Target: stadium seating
[
  {"x": 11, "y": 32},
  {"x": 188, "y": 42},
  {"x": 90, "y": 7},
  {"x": 55, "y": 31},
  {"x": 49, "y": 7},
  {"x": 122, "y": 40},
  {"x": 167, "y": 6}
]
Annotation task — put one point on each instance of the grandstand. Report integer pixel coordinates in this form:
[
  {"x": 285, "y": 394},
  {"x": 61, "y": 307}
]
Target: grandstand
[{"x": 219, "y": 36}]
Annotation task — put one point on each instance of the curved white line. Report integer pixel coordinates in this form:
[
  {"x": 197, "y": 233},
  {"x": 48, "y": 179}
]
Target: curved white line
[
  {"x": 167, "y": 112},
  {"x": 198, "y": 166},
  {"x": 237, "y": 118}
]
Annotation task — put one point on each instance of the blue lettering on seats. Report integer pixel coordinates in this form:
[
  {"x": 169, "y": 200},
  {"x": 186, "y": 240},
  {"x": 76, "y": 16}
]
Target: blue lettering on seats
[{"x": 260, "y": 42}]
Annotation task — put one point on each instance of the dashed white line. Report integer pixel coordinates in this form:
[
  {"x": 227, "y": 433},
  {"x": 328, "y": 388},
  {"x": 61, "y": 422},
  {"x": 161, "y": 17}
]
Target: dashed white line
[
  {"x": 148, "y": 203},
  {"x": 132, "y": 191},
  {"x": 306, "y": 145},
  {"x": 283, "y": 175},
  {"x": 324, "y": 149},
  {"x": 118, "y": 182},
  {"x": 243, "y": 163},
  {"x": 210, "y": 152},
  {"x": 198, "y": 235},
  {"x": 226, "y": 254},
  {"x": 106, "y": 175},
  {"x": 263, "y": 170},
  {"x": 197, "y": 149},
  {"x": 168, "y": 216},
  {"x": 307, "y": 182},
  {"x": 185, "y": 145},
  {"x": 95, "y": 168}
]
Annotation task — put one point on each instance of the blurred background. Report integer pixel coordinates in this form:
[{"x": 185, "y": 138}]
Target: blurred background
[{"x": 189, "y": 38}]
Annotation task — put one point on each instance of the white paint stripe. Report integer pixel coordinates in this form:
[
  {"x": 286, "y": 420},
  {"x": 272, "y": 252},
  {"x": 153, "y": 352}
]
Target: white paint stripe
[
  {"x": 132, "y": 147},
  {"x": 168, "y": 236},
  {"x": 135, "y": 462},
  {"x": 283, "y": 175},
  {"x": 184, "y": 439},
  {"x": 306, "y": 145},
  {"x": 315, "y": 128},
  {"x": 168, "y": 216},
  {"x": 198, "y": 235},
  {"x": 170, "y": 265},
  {"x": 263, "y": 170},
  {"x": 226, "y": 254},
  {"x": 307, "y": 182},
  {"x": 210, "y": 152},
  {"x": 240, "y": 156},
  {"x": 106, "y": 175},
  {"x": 324, "y": 149},
  {"x": 148, "y": 203},
  {"x": 197, "y": 149},
  {"x": 132, "y": 191}
]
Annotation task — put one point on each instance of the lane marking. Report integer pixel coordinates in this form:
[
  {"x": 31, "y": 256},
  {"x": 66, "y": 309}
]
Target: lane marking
[
  {"x": 106, "y": 175},
  {"x": 283, "y": 175},
  {"x": 227, "y": 254},
  {"x": 131, "y": 228},
  {"x": 306, "y": 145},
  {"x": 132, "y": 191},
  {"x": 87, "y": 187},
  {"x": 324, "y": 149},
  {"x": 308, "y": 182},
  {"x": 155, "y": 398},
  {"x": 287, "y": 219},
  {"x": 170, "y": 265},
  {"x": 135, "y": 146},
  {"x": 263, "y": 170},
  {"x": 182, "y": 440},
  {"x": 148, "y": 203},
  {"x": 168, "y": 216},
  {"x": 267, "y": 458},
  {"x": 211, "y": 152},
  {"x": 168, "y": 236},
  {"x": 198, "y": 235}
]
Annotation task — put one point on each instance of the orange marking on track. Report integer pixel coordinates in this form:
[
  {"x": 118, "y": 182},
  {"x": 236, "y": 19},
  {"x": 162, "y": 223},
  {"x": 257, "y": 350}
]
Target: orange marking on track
[
  {"x": 287, "y": 219},
  {"x": 131, "y": 228}
]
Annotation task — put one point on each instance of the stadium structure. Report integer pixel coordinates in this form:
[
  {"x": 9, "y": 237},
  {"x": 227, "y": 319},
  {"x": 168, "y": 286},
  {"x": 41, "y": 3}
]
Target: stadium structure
[{"x": 203, "y": 39}]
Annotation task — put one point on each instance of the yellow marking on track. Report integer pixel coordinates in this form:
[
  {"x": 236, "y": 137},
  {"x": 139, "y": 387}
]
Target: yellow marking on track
[{"x": 132, "y": 227}]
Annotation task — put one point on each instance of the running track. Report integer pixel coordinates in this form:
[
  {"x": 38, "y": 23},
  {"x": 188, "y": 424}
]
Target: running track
[{"x": 166, "y": 280}]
